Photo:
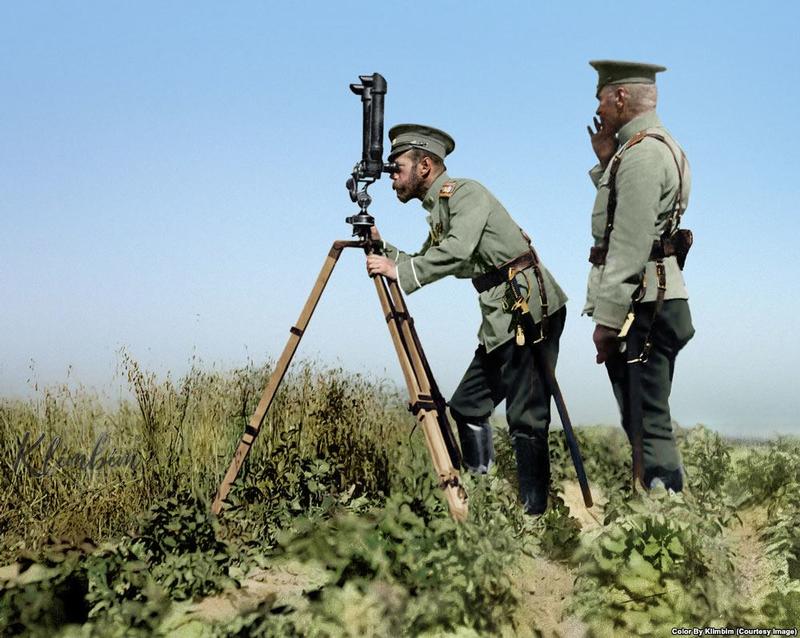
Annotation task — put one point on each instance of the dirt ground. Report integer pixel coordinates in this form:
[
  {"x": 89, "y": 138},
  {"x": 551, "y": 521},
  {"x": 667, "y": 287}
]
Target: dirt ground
[
  {"x": 755, "y": 570},
  {"x": 284, "y": 583},
  {"x": 545, "y": 587}
]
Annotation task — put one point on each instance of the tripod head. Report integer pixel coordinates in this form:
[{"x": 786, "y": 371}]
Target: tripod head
[{"x": 369, "y": 168}]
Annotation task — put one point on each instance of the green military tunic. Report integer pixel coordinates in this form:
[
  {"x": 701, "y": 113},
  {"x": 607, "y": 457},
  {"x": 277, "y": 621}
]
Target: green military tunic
[
  {"x": 647, "y": 184},
  {"x": 472, "y": 233}
]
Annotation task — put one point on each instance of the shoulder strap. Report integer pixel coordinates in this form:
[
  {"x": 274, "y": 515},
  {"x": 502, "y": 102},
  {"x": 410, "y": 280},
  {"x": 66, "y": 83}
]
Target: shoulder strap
[
  {"x": 677, "y": 205},
  {"x": 447, "y": 189},
  {"x": 611, "y": 208}
]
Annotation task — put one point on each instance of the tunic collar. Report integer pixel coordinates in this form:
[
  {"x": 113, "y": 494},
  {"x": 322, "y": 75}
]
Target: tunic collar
[
  {"x": 639, "y": 123},
  {"x": 433, "y": 192}
]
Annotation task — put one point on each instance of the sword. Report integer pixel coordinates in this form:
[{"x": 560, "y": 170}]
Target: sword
[
  {"x": 634, "y": 412},
  {"x": 551, "y": 383}
]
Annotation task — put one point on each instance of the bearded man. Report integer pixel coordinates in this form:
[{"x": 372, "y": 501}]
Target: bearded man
[{"x": 472, "y": 236}]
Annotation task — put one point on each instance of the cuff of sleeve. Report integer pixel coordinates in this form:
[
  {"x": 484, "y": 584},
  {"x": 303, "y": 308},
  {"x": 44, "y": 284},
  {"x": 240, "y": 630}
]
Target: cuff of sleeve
[
  {"x": 610, "y": 314},
  {"x": 407, "y": 277},
  {"x": 596, "y": 172},
  {"x": 390, "y": 251}
]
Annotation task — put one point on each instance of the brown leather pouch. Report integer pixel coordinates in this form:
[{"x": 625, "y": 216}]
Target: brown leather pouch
[
  {"x": 597, "y": 255},
  {"x": 682, "y": 241}
]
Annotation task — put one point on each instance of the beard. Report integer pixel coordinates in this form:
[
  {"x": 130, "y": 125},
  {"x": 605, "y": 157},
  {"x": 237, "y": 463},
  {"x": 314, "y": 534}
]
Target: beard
[{"x": 413, "y": 188}]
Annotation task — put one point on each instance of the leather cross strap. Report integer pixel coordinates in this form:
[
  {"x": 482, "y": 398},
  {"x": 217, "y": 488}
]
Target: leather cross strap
[{"x": 598, "y": 254}]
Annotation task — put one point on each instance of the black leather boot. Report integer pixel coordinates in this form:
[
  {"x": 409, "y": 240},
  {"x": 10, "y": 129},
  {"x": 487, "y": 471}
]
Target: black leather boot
[
  {"x": 477, "y": 448},
  {"x": 533, "y": 470}
]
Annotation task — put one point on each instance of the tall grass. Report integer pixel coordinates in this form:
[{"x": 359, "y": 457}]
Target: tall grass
[{"x": 176, "y": 435}]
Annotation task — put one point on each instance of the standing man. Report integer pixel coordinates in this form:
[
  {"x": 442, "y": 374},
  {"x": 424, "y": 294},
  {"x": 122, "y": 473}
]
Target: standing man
[
  {"x": 636, "y": 294},
  {"x": 473, "y": 237}
]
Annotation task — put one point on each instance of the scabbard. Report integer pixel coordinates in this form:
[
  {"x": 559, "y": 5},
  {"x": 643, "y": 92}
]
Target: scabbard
[
  {"x": 633, "y": 372},
  {"x": 551, "y": 383}
]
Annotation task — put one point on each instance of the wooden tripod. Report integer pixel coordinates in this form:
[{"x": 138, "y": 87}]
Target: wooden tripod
[{"x": 425, "y": 400}]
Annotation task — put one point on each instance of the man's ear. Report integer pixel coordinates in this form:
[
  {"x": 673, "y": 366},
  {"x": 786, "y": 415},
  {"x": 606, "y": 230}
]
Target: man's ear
[
  {"x": 620, "y": 97},
  {"x": 426, "y": 165}
]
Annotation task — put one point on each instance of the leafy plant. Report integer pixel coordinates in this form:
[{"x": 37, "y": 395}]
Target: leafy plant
[
  {"x": 557, "y": 530},
  {"x": 782, "y": 535},
  {"x": 452, "y": 574},
  {"x": 181, "y": 546},
  {"x": 764, "y": 470},
  {"x": 782, "y": 607},
  {"x": 124, "y": 597},
  {"x": 659, "y": 557},
  {"x": 606, "y": 456},
  {"x": 47, "y": 593},
  {"x": 707, "y": 459}
]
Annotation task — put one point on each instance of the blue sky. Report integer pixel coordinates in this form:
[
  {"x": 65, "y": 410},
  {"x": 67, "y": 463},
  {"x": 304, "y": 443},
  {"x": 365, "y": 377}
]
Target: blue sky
[{"x": 172, "y": 176}]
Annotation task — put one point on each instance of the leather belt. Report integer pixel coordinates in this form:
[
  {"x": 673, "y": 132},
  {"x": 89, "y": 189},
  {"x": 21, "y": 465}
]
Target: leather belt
[
  {"x": 499, "y": 275},
  {"x": 661, "y": 249}
]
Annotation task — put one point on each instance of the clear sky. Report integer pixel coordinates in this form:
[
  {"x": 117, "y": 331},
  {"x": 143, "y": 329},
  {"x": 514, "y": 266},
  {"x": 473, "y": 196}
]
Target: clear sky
[{"x": 172, "y": 176}]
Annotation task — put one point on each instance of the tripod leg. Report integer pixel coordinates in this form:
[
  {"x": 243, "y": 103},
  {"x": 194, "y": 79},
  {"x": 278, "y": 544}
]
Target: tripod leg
[
  {"x": 422, "y": 404},
  {"x": 252, "y": 429},
  {"x": 425, "y": 374}
]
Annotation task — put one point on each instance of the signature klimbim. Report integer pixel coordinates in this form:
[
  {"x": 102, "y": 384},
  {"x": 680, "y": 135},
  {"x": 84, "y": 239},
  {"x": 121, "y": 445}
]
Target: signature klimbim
[{"x": 40, "y": 460}]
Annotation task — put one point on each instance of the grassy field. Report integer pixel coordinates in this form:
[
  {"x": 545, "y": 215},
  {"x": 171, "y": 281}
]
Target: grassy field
[{"x": 336, "y": 527}]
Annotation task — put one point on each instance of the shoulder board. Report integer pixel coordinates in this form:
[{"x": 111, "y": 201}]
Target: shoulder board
[
  {"x": 447, "y": 189},
  {"x": 638, "y": 137},
  {"x": 633, "y": 141}
]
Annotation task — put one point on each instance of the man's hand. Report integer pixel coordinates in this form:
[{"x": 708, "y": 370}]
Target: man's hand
[
  {"x": 374, "y": 235},
  {"x": 378, "y": 265},
  {"x": 604, "y": 142},
  {"x": 605, "y": 340}
]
